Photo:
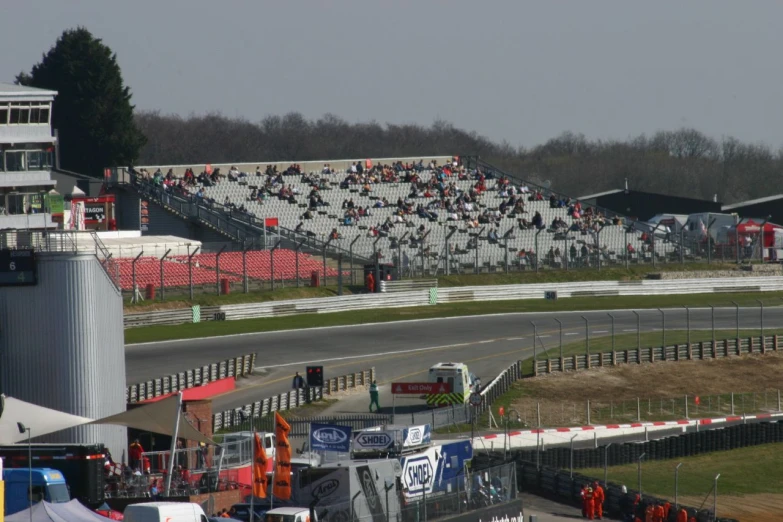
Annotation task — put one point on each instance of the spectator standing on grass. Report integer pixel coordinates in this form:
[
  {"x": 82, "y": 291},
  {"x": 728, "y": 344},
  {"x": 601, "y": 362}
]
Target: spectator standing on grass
[
  {"x": 298, "y": 382},
  {"x": 374, "y": 397}
]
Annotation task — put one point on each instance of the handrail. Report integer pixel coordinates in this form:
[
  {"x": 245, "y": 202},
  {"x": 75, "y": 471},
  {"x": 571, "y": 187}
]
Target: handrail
[{"x": 252, "y": 229}]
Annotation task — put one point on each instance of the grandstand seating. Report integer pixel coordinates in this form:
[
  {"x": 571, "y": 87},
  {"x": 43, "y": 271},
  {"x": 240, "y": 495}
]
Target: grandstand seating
[
  {"x": 174, "y": 273},
  {"x": 259, "y": 264},
  {"x": 468, "y": 244}
]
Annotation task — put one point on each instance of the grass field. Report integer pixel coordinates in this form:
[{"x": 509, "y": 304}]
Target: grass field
[
  {"x": 214, "y": 328},
  {"x": 750, "y": 487},
  {"x": 176, "y": 299}
]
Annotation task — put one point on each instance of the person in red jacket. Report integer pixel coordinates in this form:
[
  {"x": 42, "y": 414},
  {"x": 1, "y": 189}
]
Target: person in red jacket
[
  {"x": 134, "y": 454},
  {"x": 370, "y": 283},
  {"x": 598, "y": 499},
  {"x": 682, "y": 515},
  {"x": 590, "y": 503},
  {"x": 583, "y": 495}
]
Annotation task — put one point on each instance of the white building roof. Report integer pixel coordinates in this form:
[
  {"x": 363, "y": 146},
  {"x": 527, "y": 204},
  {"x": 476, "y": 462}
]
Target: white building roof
[
  {"x": 12, "y": 91},
  {"x": 599, "y": 194},
  {"x": 752, "y": 202}
]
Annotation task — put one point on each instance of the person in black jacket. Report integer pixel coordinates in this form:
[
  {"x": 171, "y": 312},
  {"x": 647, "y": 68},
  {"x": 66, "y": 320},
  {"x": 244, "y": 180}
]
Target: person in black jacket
[{"x": 626, "y": 505}]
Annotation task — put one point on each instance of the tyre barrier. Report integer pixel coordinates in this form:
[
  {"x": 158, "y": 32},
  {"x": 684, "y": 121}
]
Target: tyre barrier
[
  {"x": 685, "y": 445},
  {"x": 561, "y": 487}
]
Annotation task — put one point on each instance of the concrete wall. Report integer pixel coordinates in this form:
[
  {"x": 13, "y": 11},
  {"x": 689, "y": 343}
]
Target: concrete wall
[{"x": 307, "y": 166}]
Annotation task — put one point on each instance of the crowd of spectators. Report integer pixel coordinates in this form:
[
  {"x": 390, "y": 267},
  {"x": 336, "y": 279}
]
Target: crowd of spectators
[{"x": 433, "y": 194}]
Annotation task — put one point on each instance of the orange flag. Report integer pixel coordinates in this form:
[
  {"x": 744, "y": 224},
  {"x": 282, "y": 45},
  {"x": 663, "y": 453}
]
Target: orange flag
[
  {"x": 282, "y": 485},
  {"x": 259, "y": 469}
]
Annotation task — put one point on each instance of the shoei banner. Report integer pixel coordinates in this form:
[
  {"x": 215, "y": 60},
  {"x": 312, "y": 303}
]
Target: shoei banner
[
  {"x": 419, "y": 388},
  {"x": 329, "y": 437}
]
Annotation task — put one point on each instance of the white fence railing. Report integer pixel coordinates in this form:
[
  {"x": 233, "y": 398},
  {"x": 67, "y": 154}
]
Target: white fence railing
[{"x": 435, "y": 296}]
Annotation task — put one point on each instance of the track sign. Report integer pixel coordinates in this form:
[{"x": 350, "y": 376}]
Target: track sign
[
  {"x": 475, "y": 399},
  {"x": 420, "y": 388},
  {"x": 315, "y": 376},
  {"x": 18, "y": 268}
]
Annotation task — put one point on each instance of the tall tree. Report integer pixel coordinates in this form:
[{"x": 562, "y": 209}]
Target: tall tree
[{"x": 92, "y": 111}]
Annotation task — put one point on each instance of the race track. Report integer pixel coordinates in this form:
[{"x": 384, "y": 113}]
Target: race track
[{"x": 406, "y": 350}]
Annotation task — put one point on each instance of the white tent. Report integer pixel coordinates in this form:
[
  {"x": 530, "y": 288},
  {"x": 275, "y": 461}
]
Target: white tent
[
  {"x": 71, "y": 511},
  {"x": 156, "y": 417},
  {"x": 40, "y": 420}
]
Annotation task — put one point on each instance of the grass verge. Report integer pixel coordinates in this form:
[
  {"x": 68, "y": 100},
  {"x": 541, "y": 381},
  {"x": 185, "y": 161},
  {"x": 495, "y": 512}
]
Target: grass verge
[
  {"x": 217, "y": 328},
  {"x": 746, "y": 474}
]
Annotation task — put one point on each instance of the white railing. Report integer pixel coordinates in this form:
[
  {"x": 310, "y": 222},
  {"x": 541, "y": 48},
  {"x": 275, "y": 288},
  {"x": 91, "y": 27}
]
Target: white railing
[{"x": 435, "y": 296}]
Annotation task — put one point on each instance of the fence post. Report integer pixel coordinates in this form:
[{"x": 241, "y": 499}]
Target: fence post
[
  {"x": 686, "y": 407},
  {"x": 588, "y": 412},
  {"x": 162, "y": 286},
  {"x": 638, "y": 410},
  {"x": 732, "y": 403}
]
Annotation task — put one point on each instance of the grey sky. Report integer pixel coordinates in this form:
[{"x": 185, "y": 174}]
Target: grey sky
[{"x": 512, "y": 70}]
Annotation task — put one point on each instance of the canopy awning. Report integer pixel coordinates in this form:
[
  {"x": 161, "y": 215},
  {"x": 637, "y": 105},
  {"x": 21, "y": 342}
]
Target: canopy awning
[
  {"x": 157, "y": 417},
  {"x": 40, "y": 420}
]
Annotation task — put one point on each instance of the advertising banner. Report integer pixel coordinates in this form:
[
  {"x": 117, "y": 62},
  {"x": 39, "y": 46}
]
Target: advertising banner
[
  {"x": 259, "y": 468},
  {"x": 375, "y": 440},
  {"x": 282, "y": 485},
  {"x": 329, "y": 437},
  {"x": 416, "y": 435}
]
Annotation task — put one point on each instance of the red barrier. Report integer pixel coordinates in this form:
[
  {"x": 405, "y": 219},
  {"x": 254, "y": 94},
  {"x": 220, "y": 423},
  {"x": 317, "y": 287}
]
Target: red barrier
[{"x": 199, "y": 393}]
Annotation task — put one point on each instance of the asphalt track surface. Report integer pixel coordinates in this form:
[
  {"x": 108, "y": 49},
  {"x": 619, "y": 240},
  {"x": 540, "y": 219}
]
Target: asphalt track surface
[{"x": 404, "y": 351}]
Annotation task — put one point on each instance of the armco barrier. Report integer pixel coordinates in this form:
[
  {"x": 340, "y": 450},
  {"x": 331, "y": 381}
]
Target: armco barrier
[
  {"x": 434, "y": 296},
  {"x": 407, "y": 285},
  {"x": 678, "y": 352},
  {"x": 289, "y": 400},
  {"x": 234, "y": 367}
]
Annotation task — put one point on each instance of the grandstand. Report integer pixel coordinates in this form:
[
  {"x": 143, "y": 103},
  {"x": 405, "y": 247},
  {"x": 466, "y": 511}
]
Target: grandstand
[{"x": 415, "y": 213}]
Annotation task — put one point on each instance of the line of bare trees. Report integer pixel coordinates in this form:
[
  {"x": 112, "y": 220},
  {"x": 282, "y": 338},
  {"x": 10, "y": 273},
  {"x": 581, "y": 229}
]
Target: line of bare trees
[{"x": 684, "y": 162}]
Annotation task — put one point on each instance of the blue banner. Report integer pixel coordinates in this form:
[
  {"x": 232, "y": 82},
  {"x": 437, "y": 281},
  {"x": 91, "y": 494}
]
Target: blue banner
[{"x": 328, "y": 437}]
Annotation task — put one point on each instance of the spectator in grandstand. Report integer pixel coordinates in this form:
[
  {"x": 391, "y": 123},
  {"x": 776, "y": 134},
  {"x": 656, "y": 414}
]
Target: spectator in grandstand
[
  {"x": 492, "y": 236},
  {"x": 538, "y": 221},
  {"x": 572, "y": 252},
  {"x": 630, "y": 249}
]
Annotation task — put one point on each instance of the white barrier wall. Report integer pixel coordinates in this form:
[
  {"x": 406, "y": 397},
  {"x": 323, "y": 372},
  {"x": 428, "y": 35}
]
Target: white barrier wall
[{"x": 435, "y": 296}]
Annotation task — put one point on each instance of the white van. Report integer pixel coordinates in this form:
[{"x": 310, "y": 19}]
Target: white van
[
  {"x": 458, "y": 377},
  {"x": 164, "y": 512},
  {"x": 288, "y": 514}
]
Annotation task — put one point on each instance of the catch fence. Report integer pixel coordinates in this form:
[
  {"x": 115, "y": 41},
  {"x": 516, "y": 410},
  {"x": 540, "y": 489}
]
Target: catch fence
[{"x": 620, "y": 411}]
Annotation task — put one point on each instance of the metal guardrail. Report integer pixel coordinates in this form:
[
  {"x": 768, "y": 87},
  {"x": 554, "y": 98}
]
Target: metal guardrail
[
  {"x": 289, "y": 400},
  {"x": 679, "y": 352},
  {"x": 407, "y": 285},
  {"x": 434, "y": 296},
  {"x": 234, "y": 367}
]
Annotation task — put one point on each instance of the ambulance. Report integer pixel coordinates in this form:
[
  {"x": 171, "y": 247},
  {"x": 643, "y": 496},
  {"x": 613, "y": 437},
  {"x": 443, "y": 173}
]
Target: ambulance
[{"x": 461, "y": 382}]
